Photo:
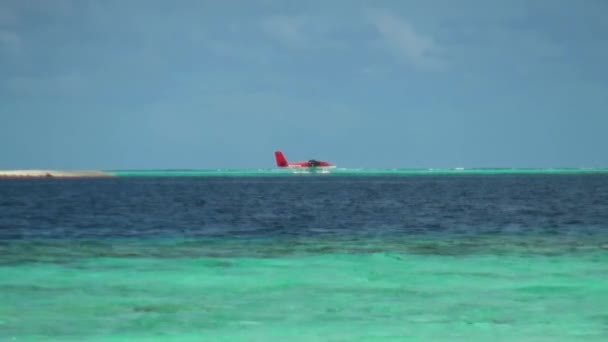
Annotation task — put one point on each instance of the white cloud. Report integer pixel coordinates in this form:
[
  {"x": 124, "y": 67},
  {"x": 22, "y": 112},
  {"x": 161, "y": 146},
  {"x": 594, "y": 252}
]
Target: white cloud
[
  {"x": 63, "y": 85},
  {"x": 404, "y": 41},
  {"x": 310, "y": 32},
  {"x": 7, "y": 15},
  {"x": 287, "y": 30},
  {"x": 9, "y": 38},
  {"x": 10, "y": 43}
]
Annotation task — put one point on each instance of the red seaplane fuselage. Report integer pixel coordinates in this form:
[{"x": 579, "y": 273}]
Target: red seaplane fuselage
[{"x": 282, "y": 162}]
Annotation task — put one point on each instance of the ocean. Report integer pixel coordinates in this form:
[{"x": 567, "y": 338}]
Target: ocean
[{"x": 384, "y": 255}]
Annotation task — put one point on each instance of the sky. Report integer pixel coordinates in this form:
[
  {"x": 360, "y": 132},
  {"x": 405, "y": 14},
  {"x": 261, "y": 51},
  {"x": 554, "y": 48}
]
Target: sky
[{"x": 201, "y": 84}]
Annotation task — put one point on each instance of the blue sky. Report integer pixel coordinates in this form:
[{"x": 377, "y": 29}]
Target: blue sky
[{"x": 222, "y": 84}]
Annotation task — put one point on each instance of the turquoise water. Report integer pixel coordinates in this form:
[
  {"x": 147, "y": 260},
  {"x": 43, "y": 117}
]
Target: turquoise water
[
  {"x": 415, "y": 289},
  {"x": 478, "y": 257},
  {"x": 357, "y": 172}
]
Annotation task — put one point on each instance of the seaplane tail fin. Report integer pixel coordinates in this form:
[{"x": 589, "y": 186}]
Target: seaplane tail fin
[{"x": 280, "y": 158}]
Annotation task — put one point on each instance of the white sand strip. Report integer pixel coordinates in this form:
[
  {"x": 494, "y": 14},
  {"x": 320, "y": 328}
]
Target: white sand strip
[{"x": 51, "y": 173}]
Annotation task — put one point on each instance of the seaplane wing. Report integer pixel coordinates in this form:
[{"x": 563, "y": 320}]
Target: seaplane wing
[{"x": 312, "y": 163}]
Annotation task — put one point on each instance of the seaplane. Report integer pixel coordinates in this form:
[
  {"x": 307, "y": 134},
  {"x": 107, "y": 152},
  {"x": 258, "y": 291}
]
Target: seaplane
[{"x": 303, "y": 166}]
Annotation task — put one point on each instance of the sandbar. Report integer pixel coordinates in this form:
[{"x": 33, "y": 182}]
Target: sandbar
[{"x": 52, "y": 174}]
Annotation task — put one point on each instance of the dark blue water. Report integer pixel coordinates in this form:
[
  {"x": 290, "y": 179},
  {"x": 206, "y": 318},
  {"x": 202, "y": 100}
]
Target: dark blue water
[
  {"x": 311, "y": 258},
  {"x": 303, "y": 206}
]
